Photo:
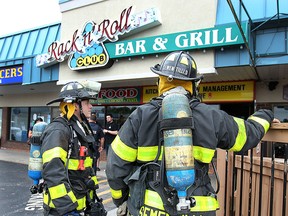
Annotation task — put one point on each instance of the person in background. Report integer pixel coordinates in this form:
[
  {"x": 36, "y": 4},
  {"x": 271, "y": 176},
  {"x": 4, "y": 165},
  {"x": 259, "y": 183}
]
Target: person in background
[
  {"x": 110, "y": 131},
  {"x": 39, "y": 119},
  {"x": 135, "y": 169},
  {"x": 99, "y": 137}
]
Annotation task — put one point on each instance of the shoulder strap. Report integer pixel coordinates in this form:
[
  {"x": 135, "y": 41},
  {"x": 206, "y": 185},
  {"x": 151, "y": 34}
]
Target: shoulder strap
[{"x": 67, "y": 124}]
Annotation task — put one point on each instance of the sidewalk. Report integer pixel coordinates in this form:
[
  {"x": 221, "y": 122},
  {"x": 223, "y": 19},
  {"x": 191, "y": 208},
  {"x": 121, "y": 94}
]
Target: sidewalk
[{"x": 22, "y": 157}]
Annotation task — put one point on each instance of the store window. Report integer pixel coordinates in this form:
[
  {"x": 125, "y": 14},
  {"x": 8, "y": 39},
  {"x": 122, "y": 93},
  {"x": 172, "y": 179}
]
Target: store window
[
  {"x": 0, "y": 123},
  {"x": 120, "y": 113},
  {"x": 19, "y": 124},
  {"x": 100, "y": 114},
  {"x": 40, "y": 112},
  {"x": 22, "y": 118},
  {"x": 281, "y": 112}
]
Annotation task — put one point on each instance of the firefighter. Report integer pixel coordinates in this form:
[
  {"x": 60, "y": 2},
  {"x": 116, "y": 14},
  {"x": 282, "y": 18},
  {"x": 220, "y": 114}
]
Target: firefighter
[
  {"x": 67, "y": 149},
  {"x": 137, "y": 186}
]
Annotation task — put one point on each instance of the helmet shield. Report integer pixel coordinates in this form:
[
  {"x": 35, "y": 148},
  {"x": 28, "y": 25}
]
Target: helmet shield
[
  {"x": 74, "y": 91},
  {"x": 177, "y": 65}
]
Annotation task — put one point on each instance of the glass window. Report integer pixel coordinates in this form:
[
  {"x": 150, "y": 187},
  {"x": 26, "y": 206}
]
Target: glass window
[
  {"x": 19, "y": 123},
  {"x": 55, "y": 113},
  {"x": 281, "y": 112},
  {"x": 0, "y": 122},
  {"x": 100, "y": 114},
  {"x": 120, "y": 113},
  {"x": 40, "y": 112}
]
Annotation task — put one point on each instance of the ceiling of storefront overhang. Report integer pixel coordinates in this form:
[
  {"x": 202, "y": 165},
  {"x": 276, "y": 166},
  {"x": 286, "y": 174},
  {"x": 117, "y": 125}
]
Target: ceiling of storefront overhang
[{"x": 263, "y": 73}]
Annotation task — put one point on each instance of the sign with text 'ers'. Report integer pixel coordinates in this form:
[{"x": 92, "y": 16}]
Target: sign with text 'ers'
[
  {"x": 11, "y": 75},
  {"x": 86, "y": 49}
]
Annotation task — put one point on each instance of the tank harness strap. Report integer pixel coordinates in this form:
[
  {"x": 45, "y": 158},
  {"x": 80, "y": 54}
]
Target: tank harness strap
[{"x": 176, "y": 123}]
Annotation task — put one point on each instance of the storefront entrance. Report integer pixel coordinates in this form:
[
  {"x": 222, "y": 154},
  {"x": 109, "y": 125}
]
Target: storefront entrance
[{"x": 240, "y": 110}]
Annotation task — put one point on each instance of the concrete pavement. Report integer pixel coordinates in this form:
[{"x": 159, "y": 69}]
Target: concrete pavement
[{"x": 22, "y": 157}]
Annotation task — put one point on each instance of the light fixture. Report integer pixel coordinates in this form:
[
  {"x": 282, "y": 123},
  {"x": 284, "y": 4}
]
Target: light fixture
[{"x": 222, "y": 49}]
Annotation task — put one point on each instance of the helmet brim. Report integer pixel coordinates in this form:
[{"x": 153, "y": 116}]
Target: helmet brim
[
  {"x": 55, "y": 101},
  {"x": 61, "y": 99},
  {"x": 156, "y": 71}
]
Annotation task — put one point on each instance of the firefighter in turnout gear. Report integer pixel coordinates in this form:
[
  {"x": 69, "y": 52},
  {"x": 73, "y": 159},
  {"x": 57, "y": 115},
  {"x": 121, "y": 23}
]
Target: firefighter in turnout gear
[
  {"x": 67, "y": 149},
  {"x": 134, "y": 169}
]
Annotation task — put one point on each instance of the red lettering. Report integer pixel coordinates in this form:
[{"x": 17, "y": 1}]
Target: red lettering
[
  {"x": 104, "y": 25},
  {"x": 126, "y": 25},
  {"x": 52, "y": 51},
  {"x": 106, "y": 29},
  {"x": 110, "y": 93},
  {"x": 87, "y": 39},
  {"x": 120, "y": 93},
  {"x": 60, "y": 49},
  {"x": 114, "y": 28},
  {"x": 74, "y": 47},
  {"x": 131, "y": 93},
  {"x": 67, "y": 50}
]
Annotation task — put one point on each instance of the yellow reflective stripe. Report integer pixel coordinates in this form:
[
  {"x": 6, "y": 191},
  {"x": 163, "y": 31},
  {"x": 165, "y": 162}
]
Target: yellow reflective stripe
[
  {"x": 94, "y": 178},
  {"x": 123, "y": 151},
  {"x": 58, "y": 191},
  {"x": 81, "y": 203},
  {"x": 241, "y": 136},
  {"x": 147, "y": 153},
  {"x": 116, "y": 194},
  {"x": 265, "y": 124},
  {"x": 153, "y": 199},
  {"x": 56, "y": 152},
  {"x": 202, "y": 154},
  {"x": 205, "y": 203},
  {"x": 73, "y": 164},
  {"x": 88, "y": 162},
  {"x": 46, "y": 200},
  {"x": 72, "y": 196}
]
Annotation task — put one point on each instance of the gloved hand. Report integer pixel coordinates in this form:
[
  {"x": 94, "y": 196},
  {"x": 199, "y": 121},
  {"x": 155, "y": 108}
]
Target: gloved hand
[
  {"x": 72, "y": 213},
  {"x": 122, "y": 209}
]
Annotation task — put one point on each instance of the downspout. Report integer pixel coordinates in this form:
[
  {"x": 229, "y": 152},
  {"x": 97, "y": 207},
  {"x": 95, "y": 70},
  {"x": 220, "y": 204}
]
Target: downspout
[{"x": 241, "y": 31}]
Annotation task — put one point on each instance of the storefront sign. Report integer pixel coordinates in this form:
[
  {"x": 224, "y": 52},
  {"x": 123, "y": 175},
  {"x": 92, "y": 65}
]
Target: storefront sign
[
  {"x": 11, "y": 75},
  {"x": 86, "y": 50},
  {"x": 242, "y": 91},
  {"x": 128, "y": 95},
  {"x": 223, "y": 35}
]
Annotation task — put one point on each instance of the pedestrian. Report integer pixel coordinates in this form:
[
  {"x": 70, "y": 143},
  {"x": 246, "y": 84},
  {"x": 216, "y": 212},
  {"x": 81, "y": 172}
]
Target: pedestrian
[
  {"x": 110, "y": 131},
  {"x": 67, "y": 151},
  {"x": 39, "y": 119},
  {"x": 99, "y": 137},
  {"x": 134, "y": 165}
]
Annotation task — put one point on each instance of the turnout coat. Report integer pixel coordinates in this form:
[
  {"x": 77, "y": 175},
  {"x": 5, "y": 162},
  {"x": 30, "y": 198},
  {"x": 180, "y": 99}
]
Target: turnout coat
[{"x": 137, "y": 144}]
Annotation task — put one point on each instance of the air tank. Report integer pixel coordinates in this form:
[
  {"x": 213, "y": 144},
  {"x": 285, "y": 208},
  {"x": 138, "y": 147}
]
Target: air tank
[{"x": 178, "y": 148}]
